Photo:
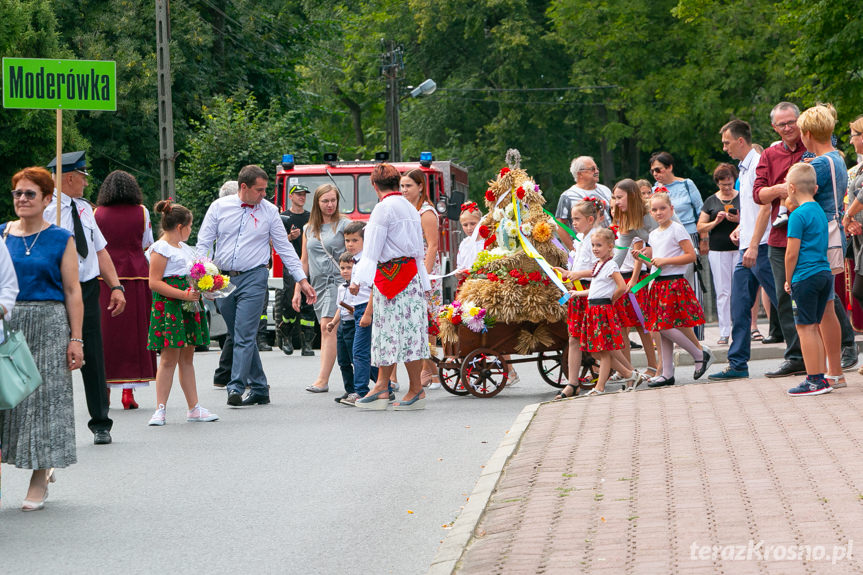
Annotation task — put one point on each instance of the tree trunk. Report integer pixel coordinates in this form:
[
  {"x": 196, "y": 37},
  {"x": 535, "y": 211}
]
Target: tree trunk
[{"x": 356, "y": 116}]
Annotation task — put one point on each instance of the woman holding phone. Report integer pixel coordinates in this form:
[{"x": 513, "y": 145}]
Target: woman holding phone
[{"x": 719, "y": 217}]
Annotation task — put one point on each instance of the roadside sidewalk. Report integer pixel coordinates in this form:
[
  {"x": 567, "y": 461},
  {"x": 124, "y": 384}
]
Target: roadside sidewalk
[{"x": 651, "y": 482}]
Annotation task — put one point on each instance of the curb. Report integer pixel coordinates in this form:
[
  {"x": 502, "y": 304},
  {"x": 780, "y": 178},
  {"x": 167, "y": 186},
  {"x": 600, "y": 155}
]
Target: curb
[{"x": 453, "y": 547}]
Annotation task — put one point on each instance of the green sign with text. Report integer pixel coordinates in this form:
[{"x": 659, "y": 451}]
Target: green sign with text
[{"x": 47, "y": 84}]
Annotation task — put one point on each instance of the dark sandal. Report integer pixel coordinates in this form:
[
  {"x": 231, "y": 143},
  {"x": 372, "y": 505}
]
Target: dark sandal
[
  {"x": 562, "y": 394},
  {"x": 756, "y": 335}
]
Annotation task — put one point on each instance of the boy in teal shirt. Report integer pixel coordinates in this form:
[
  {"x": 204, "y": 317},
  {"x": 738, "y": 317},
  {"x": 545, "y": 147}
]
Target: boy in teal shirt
[{"x": 807, "y": 275}]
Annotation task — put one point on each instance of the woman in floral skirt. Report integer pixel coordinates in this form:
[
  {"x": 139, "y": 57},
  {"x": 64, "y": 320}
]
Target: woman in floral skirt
[{"x": 174, "y": 330}]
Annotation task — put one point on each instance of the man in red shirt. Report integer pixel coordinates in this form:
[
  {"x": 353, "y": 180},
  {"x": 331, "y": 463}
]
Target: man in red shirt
[{"x": 770, "y": 188}]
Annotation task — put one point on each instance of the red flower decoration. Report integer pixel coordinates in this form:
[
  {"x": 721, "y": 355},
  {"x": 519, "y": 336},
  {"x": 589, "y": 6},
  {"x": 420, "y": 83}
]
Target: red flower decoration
[
  {"x": 218, "y": 282},
  {"x": 157, "y": 333},
  {"x": 661, "y": 190},
  {"x": 492, "y": 277},
  {"x": 522, "y": 281},
  {"x": 181, "y": 343},
  {"x": 484, "y": 231},
  {"x": 520, "y": 193},
  {"x": 166, "y": 342},
  {"x": 515, "y": 273},
  {"x": 504, "y": 171},
  {"x": 173, "y": 317},
  {"x": 456, "y": 319},
  {"x": 489, "y": 195},
  {"x": 546, "y": 282},
  {"x": 534, "y": 276},
  {"x": 469, "y": 207},
  {"x": 489, "y": 242},
  {"x": 159, "y": 305},
  {"x": 197, "y": 318}
]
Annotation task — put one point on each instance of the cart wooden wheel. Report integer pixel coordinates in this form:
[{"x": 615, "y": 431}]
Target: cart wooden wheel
[
  {"x": 449, "y": 372},
  {"x": 484, "y": 372},
  {"x": 553, "y": 367}
]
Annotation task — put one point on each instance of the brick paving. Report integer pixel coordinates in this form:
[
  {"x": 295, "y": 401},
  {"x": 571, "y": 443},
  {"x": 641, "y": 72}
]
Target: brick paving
[{"x": 628, "y": 483}]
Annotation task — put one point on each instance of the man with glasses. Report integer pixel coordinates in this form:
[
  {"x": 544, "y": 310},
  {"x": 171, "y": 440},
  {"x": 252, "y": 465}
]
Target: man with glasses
[
  {"x": 76, "y": 215},
  {"x": 770, "y": 189},
  {"x": 586, "y": 176}
]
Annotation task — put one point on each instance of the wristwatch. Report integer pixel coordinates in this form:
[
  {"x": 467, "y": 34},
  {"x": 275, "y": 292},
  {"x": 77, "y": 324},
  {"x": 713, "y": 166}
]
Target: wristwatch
[{"x": 119, "y": 287}]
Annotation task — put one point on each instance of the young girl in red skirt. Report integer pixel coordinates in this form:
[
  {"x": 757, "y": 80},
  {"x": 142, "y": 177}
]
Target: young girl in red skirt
[
  {"x": 585, "y": 221},
  {"x": 175, "y": 331},
  {"x": 601, "y": 328},
  {"x": 672, "y": 309},
  {"x": 631, "y": 214}
]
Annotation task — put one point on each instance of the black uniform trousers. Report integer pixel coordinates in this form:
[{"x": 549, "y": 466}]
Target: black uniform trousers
[{"x": 93, "y": 371}]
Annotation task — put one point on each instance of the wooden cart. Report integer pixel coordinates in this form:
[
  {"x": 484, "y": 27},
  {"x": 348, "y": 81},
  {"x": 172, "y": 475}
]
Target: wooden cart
[{"x": 476, "y": 364}]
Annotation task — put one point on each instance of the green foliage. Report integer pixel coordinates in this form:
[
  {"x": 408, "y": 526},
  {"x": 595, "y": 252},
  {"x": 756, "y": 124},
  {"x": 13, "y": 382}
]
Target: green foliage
[{"x": 234, "y": 132}]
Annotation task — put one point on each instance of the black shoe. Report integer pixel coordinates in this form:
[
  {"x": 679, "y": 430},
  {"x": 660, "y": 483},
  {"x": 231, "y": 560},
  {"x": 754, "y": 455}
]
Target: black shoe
[
  {"x": 662, "y": 382},
  {"x": 307, "y": 351},
  {"x": 788, "y": 368},
  {"x": 633, "y": 345},
  {"x": 264, "y": 346},
  {"x": 101, "y": 437},
  {"x": 254, "y": 398},
  {"x": 235, "y": 399},
  {"x": 287, "y": 347},
  {"x": 341, "y": 397},
  {"x": 849, "y": 357},
  {"x": 771, "y": 339},
  {"x": 221, "y": 385},
  {"x": 707, "y": 359}
]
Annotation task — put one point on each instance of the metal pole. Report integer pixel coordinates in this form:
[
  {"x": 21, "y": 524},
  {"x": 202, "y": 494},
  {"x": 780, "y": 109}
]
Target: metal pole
[
  {"x": 58, "y": 168},
  {"x": 166, "y": 116},
  {"x": 392, "y": 67}
]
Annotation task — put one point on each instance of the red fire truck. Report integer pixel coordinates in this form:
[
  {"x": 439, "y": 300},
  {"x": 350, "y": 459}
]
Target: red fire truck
[{"x": 446, "y": 181}]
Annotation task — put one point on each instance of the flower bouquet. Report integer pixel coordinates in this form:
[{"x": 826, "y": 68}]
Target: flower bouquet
[
  {"x": 473, "y": 317},
  {"x": 205, "y": 277}
]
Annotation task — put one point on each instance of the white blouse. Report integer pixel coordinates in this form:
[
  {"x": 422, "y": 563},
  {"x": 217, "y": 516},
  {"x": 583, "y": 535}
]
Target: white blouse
[
  {"x": 584, "y": 258},
  {"x": 468, "y": 249},
  {"x": 179, "y": 259},
  {"x": 8, "y": 283},
  {"x": 603, "y": 285},
  {"x": 394, "y": 231}
]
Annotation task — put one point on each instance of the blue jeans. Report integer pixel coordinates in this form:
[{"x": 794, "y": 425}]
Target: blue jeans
[
  {"x": 744, "y": 291},
  {"x": 242, "y": 312},
  {"x": 344, "y": 348},
  {"x": 362, "y": 352}
]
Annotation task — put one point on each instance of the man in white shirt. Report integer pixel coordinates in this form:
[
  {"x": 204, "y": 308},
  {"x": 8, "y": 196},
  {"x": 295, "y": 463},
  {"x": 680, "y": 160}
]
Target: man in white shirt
[
  {"x": 753, "y": 268},
  {"x": 242, "y": 227},
  {"x": 76, "y": 215},
  {"x": 586, "y": 176}
]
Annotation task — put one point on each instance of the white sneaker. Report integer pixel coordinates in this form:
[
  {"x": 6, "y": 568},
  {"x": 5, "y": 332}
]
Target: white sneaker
[
  {"x": 434, "y": 385},
  {"x": 159, "y": 416},
  {"x": 200, "y": 415},
  {"x": 512, "y": 381}
]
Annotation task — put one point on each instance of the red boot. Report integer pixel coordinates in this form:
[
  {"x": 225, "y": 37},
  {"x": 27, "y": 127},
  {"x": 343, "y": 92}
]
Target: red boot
[{"x": 129, "y": 400}]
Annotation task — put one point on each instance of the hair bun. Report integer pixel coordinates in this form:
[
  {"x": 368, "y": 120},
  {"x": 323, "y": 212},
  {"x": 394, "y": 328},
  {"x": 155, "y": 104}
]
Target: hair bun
[{"x": 163, "y": 206}]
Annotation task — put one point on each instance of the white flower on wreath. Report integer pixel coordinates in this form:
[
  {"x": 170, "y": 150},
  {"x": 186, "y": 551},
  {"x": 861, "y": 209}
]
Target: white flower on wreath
[
  {"x": 497, "y": 214},
  {"x": 508, "y": 211},
  {"x": 526, "y": 229},
  {"x": 511, "y": 227},
  {"x": 512, "y": 244}
]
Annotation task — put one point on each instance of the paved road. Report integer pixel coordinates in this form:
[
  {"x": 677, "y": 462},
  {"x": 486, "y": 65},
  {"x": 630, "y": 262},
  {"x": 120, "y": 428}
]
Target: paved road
[{"x": 300, "y": 486}]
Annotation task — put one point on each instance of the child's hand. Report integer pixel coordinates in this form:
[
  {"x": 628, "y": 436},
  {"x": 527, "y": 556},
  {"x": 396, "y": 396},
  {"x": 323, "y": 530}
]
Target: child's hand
[
  {"x": 657, "y": 262},
  {"x": 366, "y": 320},
  {"x": 788, "y": 288},
  {"x": 330, "y": 325}
]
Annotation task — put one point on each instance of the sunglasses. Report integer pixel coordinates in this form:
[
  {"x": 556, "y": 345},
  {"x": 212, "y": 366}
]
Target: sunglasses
[
  {"x": 656, "y": 170},
  {"x": 28, "y": 194}
]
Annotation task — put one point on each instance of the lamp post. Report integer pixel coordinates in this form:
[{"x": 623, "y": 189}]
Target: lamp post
[{"x": 392, "y": 69}]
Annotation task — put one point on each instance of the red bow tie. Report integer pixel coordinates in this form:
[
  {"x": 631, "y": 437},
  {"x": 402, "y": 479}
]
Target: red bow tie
[{"x": 247, "y": 206}]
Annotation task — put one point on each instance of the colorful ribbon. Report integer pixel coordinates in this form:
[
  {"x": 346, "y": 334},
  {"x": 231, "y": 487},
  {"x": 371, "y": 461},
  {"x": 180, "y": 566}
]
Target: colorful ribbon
[
  {"x": 531, "y": 252},
  {"x": 648, "y": 279},
  {"x": 637, "y": 309}
]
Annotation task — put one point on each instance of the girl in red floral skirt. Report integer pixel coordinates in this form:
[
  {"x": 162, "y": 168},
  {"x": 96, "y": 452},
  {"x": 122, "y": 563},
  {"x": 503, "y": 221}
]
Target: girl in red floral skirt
[
  {"x": 601, "y": 327},
  {"x": 175, "y": 330},
  {"x": 585, "y": 220},
  {"x": 673, "y": 309}
]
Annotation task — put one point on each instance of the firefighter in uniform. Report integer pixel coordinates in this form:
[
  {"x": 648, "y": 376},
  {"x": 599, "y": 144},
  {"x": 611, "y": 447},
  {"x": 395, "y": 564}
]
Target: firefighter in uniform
[
  {"x": 294, "y": 218},
  {"x": 76, "y": 215}
]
